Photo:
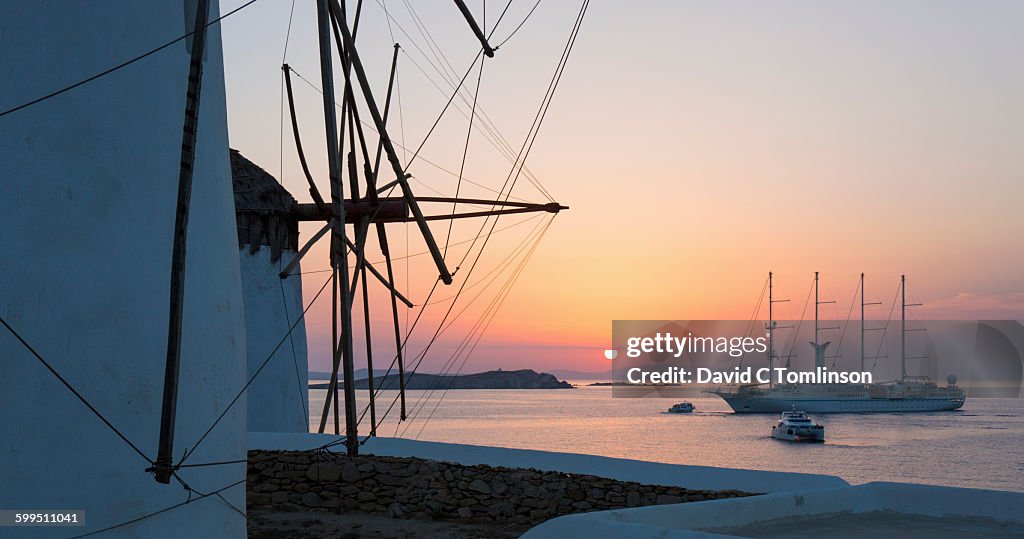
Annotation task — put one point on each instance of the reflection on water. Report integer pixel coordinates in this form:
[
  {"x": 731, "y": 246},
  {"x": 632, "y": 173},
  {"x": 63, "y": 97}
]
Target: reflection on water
[{"x": 981, "y": 446}]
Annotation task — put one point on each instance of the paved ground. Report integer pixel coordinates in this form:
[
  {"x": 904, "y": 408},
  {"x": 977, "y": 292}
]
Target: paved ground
[
  {"x": 322, "y": 525},
  {"x": 876, "y": 524}
]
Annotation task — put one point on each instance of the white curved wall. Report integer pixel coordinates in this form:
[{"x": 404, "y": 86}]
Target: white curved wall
[
  {"x": 89, "y": 186},
  {"x": 278, "y": 397}
]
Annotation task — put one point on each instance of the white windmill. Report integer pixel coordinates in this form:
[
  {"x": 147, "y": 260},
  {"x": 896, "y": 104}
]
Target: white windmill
[
  {"x": 123, "y": 340},
  {"x": 90, "y": 193}
]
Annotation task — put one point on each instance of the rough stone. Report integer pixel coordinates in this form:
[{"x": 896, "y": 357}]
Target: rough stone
[
  {"x": 667, "y": 498},
  {"x": 311, "y": 499},
  {"x": 537, "y": 514},
  {"x": 632, "y": 499},
  {"x": 395, "y": 510},
  {"x": 323, "y": 472},
  {"x": 389, "y": 480},
  {"x": 408, "y": 471},
  {"x": 331, "y": 503},
  {"x": 257, "y": 499},
  {"x": 433, "y": 506},
  {"x": 414, "y": 488},
  {"x": 480, "y": 486},
  {"x": 350, "y": 473}
]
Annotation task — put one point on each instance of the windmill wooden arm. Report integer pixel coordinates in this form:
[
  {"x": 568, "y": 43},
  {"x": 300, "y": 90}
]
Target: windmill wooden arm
[
  {"x": 396, "y": 210},
  {"x": 488, "y": 50}
]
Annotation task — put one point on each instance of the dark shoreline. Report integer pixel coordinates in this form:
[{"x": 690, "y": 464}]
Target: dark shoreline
[{"x": 519, "y": 379}]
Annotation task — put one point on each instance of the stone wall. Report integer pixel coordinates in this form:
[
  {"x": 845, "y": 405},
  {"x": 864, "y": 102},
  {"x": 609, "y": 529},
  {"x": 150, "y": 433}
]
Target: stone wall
[{"x": 425, "y": 489}]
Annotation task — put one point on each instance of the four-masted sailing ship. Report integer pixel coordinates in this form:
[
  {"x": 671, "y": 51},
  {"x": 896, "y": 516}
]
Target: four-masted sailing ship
[{"x": 905, "y": 394}]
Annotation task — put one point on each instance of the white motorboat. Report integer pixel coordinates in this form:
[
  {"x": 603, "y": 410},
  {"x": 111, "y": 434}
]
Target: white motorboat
[
  {"x": 795, "y": 426},
  {"x": 681, "y": 408}
]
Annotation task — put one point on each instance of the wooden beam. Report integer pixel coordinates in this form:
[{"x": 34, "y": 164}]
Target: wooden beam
[
  {"x": 389, "y": 149},
  {"x": 302, "y": 252},
  {"x": 354, "y": 211},
  {"x": 163, "y": 468},
  {"x": 476, "y": 28},
  {"x": 339, "y": 256},
  {"x": 395, "y": 209},
  {"x": 387, "y": 284}
]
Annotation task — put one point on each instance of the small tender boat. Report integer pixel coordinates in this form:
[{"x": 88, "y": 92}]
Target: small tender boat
[
  {"x": 795, "y": 426},
  {"x": 681, "y": 408}
]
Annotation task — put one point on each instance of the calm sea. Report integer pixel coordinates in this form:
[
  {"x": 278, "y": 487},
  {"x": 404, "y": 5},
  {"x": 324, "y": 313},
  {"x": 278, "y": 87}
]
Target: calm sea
[{"x": 980, "y": 446}]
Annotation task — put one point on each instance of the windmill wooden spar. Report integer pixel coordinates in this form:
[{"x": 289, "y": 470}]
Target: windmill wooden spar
[{"x": 367, "y": 204}]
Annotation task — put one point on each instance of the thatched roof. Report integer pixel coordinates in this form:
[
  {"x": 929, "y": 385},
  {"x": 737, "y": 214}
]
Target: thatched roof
[{"x": 263, "y": 209}]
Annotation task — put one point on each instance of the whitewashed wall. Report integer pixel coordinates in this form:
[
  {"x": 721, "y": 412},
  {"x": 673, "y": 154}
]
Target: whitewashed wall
[
  {"x": 278, "y": 397},
  {"x": 89, "y": 182}
]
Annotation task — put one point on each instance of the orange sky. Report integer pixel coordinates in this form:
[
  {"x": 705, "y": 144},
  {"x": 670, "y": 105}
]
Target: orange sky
[{"x": 699, "y": 145}]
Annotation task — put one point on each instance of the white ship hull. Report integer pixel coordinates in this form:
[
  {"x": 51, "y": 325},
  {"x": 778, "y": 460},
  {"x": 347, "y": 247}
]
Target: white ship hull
[
  {"x": 830, "y": 399},
  {"x": 759, "y": 405}
]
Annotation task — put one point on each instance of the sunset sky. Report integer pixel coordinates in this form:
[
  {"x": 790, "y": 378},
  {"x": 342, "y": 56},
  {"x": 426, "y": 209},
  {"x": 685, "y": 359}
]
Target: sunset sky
[{"x": 698, "y": 144}]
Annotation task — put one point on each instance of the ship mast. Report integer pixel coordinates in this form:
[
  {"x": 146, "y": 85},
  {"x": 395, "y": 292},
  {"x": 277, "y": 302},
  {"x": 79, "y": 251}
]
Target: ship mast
[
  {"x": 771, "y": 330},
  {"x": 903, "y": 327},
  {"x": 819, "y": 348},
  {"x": 862, "y": 322},
  {"x": 863, "y": 329},
  {"x": 816, "y": 303},
  {"x": 771, "y": 327}
]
